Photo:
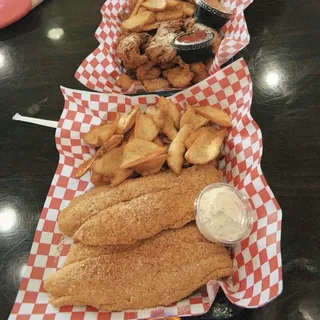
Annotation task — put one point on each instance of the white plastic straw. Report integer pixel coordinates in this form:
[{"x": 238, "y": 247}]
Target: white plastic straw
[
  {"x": 35, "y": 3},
  {"x": 41, "y": 122}
]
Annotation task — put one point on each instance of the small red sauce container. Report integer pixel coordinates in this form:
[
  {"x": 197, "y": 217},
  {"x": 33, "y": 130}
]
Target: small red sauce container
[
  {"x": 194, "y": 46},
  {"x": 212, "y": 13}
]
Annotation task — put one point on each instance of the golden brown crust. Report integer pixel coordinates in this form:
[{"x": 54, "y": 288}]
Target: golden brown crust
[
  {"x": 129, "y": 50},
  {"x": 148, "y": 71},
  {"x": 80, "y": 251},
  {"x": 156, "y": 84},
  {"x": 86, "y": 206},
  {"x": 199, "y": 70},
  {"x": 180, "y": 77},
  {"x": 160, "y": 49},
  {"x": 162, "y": 270},
  {"x": 171, "y": 206}
]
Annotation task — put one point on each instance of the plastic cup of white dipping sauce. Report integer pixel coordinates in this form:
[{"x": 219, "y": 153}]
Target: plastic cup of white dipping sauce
[{"x": 223, "y": 214}]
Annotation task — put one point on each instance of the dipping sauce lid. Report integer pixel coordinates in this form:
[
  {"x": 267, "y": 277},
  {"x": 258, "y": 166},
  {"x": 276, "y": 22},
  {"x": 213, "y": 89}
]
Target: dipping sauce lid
[
  {"x": 215, "y": 7},
  {"x": 193, "y": 40}
]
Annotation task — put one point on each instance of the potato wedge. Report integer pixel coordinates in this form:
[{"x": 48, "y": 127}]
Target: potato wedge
[
  {"x": 206, "y": 147},
  {"x": 109, "y": 145},
  {"x": 120, "y": 175},
  {"x": 129, "y": 135},
  {"x": 142, "y": 9},
  {"x": 127, "y": 121},
  {"x": 158, "y": 142},
  {"x": 168, "y": 128},
  {"x": 132, "y": 4},
  {"x": 152, "y": 166},
  {"x": 196, "y": 133},
  {"x": 155, "y": 5},
  {"x": 137, "y": 6},
  {"x": 98, "y": 135},
  {"x": 170, "y": 109},
  {"x": 156, "y": 115},
  {"x": 190, "y": 116},
  {"x": 214, "y": 114},
  {"x": 138, "y": 151},
  {"x": 109, "y": 163},
  {"x": 149, "y": 27},
  {"x": 96, "y": 180},
  {"x": 175, "y": 4},
  {"x": 169, "y": 15},
  {"x": 124, "y": 82},
  {"x": 145, "y": 127},
  {"x": 108, "y": 167},
  {"x": 188, "y": 9},
  {"x": 135, "y": 23},
  {"x": 177, "y": 149}
]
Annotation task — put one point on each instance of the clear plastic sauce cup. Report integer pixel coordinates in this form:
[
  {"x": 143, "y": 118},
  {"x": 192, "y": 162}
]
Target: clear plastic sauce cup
[{"x": 223, "y": 214}]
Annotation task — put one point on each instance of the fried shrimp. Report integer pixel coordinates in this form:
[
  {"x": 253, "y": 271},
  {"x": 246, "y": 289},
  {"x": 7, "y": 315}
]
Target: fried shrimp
[
  {"x": 199, "y": 70},
  {"x": 124, "y": 82},
  {"x": 130, "y": 50},
  {"x": 148, "y": 71},
  {"x": 180, "y": 76},
  {"x": 156, "y": 84}
]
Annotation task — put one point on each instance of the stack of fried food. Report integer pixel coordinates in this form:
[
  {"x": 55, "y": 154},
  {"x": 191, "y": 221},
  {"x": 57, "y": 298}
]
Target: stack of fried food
[
  {"x": 145, "y": 143},
  {"x": 145, "y": 48},
  {"x": 136, "y": 245}
]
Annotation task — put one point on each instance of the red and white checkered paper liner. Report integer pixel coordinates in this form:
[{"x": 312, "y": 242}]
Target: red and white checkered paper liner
[
  {"x": 257, "y": 276},
  {"x": 101, "y": 68}
]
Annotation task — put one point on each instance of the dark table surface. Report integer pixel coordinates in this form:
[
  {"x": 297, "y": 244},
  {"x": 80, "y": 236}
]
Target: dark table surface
[{"x": 284, "y": 60}]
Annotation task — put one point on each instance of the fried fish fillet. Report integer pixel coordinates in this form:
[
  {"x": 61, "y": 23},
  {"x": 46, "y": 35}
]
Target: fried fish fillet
[
  {"x": 88, "y": 205},
  {"x": 167, "y": 207},
  {"x": 162, "y": 270},
  {"x": 80, "y": 251}
]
